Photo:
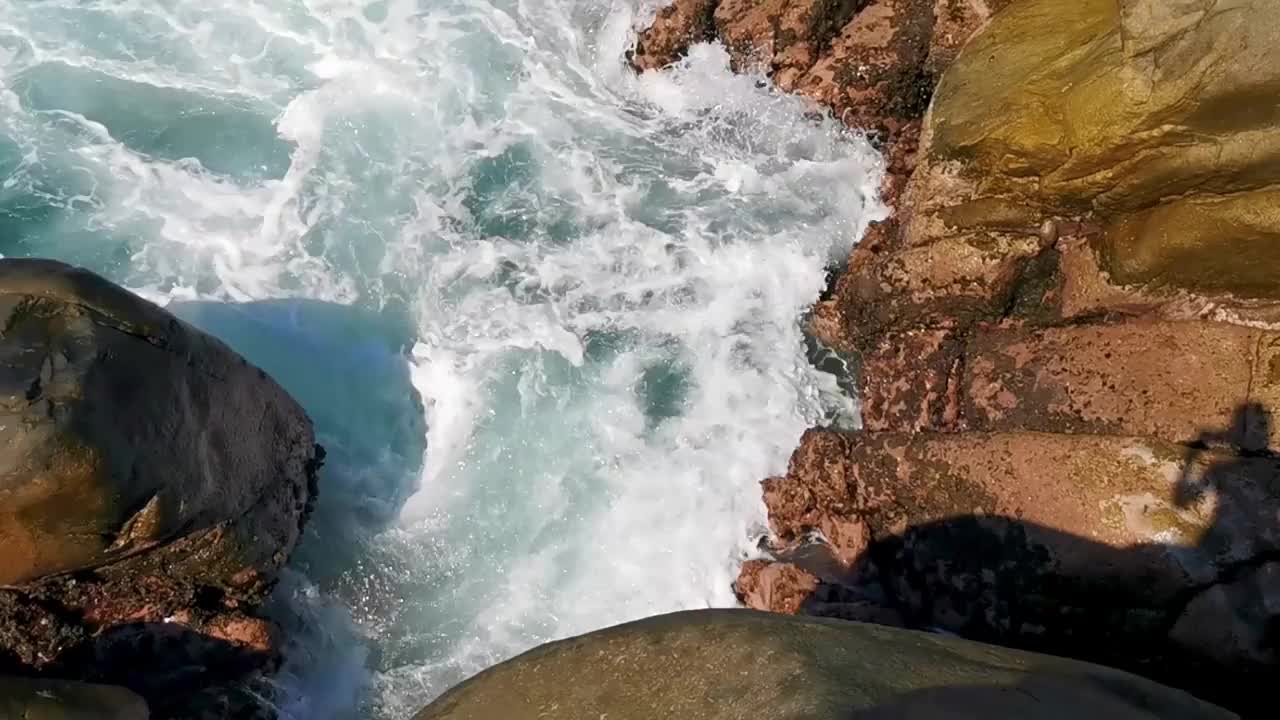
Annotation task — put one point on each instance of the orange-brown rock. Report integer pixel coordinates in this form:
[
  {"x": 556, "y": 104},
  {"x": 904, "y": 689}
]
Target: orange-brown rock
[
  {"x": 674, "y": 29},
  {"x": 1163, "y": 379},
  {"x": 911, "y": 381},
  {"x": 1096, "y": 546},
  {"x": 782, "y": 37},
  {"x": 776, "y": 587}
]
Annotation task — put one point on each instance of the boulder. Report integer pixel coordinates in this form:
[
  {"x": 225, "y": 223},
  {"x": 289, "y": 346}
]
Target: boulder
[
  {"x": 722, "y": 664},
  {"x": 128, "y": 435},
  {"x": 1132, "y": 126},
  {"x": 151, "y": 476},
  {"x": 30, "y": 699}
]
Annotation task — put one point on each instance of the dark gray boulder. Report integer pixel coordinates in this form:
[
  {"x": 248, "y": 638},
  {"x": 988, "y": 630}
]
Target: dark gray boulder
[
  {"x": 152, "y": 485},
  {"x": 123, "y": 430}
]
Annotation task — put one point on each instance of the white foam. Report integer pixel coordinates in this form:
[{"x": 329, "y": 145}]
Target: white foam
[{"x": 606, "y": 273}]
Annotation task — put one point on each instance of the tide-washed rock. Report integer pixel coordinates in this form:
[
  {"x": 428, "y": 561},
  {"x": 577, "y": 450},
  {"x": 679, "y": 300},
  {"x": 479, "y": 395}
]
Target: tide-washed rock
[
  {"x": 152, "y": 478},
  {"x": 873, "y": 64},
  {"x": 722, "y": 664},
  {"x": 674, "y": 29},
  {"x": 1129, "y": 551},
  {"x": 30, "y": 699}
]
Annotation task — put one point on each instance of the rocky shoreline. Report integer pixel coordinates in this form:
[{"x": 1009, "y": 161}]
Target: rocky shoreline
[
  {"x": 1067, "y": 330},
  {"x": 1068, "y": 342}
]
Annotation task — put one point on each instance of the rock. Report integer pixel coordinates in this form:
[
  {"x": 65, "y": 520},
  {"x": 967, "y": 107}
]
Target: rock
[
  {"x": 152, "y": 477},
  {"x": 778, "y": 587},
  {"x": 30, "y": 699},
  {"x": 871, "y": 63},
  {"x": 1092, "y": 546},
  {"x": 674, "y": 29},
  {"x": 1170, "y": 182},
  {"x": 1161, "y": 379},
  {"x": 787, "y": 588},
  {"x": 721, "y": 664},
  {"x": 147, "y": 437},
  {"x": 782, "y": 37},
  {"x": 1124, "y": 105}
]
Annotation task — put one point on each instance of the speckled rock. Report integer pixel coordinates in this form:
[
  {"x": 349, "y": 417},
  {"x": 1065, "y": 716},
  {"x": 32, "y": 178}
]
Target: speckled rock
[{"x": 732, "y": 664}]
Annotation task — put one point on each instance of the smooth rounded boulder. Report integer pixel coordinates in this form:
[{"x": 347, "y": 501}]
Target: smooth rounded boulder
[
  {"x": 153, "y": 484},
  {"x": 123, "y": 430},
  {"x": 731, "y": 664}
]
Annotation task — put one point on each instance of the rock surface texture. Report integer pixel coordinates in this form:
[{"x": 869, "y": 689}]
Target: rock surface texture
[
  {"x": 1068, "y": 331},
  {"x": 730, "y": 664},
  {"x": 154, "y": 484},
  {"x": 25, "y": 699}
]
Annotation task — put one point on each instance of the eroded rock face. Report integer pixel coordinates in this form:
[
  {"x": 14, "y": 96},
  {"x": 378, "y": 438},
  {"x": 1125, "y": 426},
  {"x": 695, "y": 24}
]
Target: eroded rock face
[
  {"x": 723, "y": 664},
  {"x": 1128, "y": 127},
  {"x": 1125, "y": 550},
  {"x": 675, "y": 28},
  {"x": 151, "y": 478}
]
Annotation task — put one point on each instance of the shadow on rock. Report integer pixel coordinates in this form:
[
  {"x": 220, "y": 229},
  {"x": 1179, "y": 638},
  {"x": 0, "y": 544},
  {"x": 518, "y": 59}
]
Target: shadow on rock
[
  {"x": 183, "y": 673},
  {"x": 1041, "y": 696},
  {"x": 1184, "y": 588}
]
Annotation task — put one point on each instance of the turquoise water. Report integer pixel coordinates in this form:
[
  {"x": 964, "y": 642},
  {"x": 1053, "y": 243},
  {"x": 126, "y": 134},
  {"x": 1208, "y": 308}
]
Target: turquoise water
[{"x": 544, "y": 312}]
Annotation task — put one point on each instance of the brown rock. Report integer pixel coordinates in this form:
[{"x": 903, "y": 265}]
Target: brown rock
[
  {"x": 1084, "y": 545},
  {"x": 911, "y": 381},
  {"x": 734, "y": 664},
  {"x": 674, "y": 29},
  {"x": 873, "y": 76},
  {"x": 128, "y": 433},
  {"x": 784, "y": 37},
  {"x": 822, "y": 503},
  {"x": 775, "y": 587},
  {"x": 154, "y": 484},
  {"x": 1168, "y": 380}
]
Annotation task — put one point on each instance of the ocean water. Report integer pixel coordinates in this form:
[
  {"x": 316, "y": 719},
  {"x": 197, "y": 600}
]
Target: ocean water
[{"x": 545, "y": 312}]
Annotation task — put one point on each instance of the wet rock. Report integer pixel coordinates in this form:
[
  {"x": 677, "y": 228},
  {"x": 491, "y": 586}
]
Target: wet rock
[
  {"x": 777, "y": 587},
  {"x": 781, "y": 37},
  {"x": 912, "y": 381},
  {"x": 787, "y": 588},
  {"x": 674, "y": 29},
  {"x": 721, "y": 664},
  {"x": 31, "y": 699},
  {"x": 153, "y": 478}
]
